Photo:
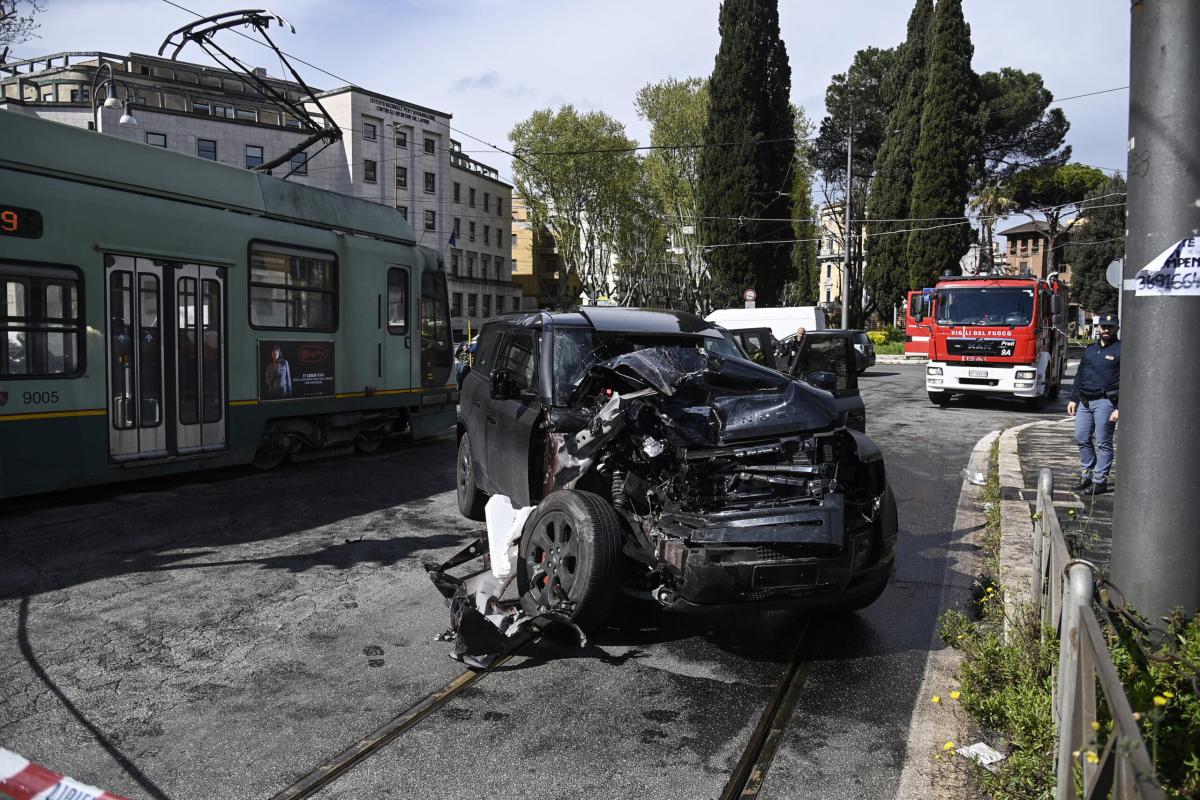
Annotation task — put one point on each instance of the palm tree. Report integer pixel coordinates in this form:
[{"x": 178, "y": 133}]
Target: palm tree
[{"x": 989, "y": 204}]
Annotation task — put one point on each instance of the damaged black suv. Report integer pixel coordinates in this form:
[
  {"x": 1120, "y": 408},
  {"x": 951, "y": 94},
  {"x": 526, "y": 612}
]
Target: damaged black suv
[{"x": 665, "y": 465}]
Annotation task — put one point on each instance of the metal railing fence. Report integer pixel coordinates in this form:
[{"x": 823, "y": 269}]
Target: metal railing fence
[{"x": 1063, "y": 591}]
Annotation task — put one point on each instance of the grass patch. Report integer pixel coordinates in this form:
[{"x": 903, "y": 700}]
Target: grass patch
[{"x": 890, "y": 349}]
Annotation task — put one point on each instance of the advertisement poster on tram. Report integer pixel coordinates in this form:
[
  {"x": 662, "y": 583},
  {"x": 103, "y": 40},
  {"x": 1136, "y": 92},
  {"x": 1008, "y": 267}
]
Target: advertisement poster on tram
[{"x": 289, "y": 369}]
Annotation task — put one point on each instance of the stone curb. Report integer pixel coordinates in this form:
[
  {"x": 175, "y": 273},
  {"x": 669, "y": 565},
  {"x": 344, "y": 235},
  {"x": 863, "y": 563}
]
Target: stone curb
[
  {"x": 1016, "y": 523},
  {"x": 918, "y": 360}
]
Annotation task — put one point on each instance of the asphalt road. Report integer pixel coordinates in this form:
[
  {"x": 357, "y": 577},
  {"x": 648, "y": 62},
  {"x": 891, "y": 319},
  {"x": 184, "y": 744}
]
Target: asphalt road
[{"x": 221, "y": 635}]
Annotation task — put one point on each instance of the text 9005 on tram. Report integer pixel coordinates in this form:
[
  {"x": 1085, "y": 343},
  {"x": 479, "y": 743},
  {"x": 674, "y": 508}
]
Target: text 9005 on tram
[{"x": 163, "y": 313}]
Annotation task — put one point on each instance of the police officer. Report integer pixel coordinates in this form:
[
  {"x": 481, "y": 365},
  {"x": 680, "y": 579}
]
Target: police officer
[{"x": 1094, "y": 405}]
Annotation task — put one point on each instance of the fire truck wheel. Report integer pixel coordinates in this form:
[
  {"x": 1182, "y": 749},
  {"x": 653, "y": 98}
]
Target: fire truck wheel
[
  {"x": 940, "y": 399},
  {"x": 1038, "y": 403}
]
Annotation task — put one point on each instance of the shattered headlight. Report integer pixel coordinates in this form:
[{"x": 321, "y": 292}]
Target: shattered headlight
[{"x": 652, "y": 447}]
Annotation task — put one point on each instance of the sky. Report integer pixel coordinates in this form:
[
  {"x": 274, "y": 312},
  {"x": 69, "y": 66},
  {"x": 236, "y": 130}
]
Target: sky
[{"x": 491, "y": 63}]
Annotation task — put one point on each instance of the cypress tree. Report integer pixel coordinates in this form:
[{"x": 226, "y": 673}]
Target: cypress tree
[
  {"x": 749, "y": 148},
  {"x": 946, "y": 149},
  {"x": 1096, "y": 240},
  {"x": 886, "y": 270}
]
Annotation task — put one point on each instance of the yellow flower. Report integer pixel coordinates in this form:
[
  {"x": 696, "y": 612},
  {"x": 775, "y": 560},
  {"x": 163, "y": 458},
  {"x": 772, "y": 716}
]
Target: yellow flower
[
  {"x": 1159, "y": 700},
  {"x": 955, "y": 694},
  {"x": 1168, "y": 695},
  {"x": 1095, "y": 725},
  {"x": 937, "y": 698},
  {"x": 1070, "y": 512},
  {"x": 948, "y": 746},
  {"x": 990, "y": 590},
  {"x": 1092, "y": 758}
]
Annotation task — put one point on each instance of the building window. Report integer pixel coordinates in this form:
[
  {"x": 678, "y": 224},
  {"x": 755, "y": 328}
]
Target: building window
[
  {"x": 471, "y": 197},
  {"x": 471, "y": 231},
  {"x": 487, "y": 234},
  {"x": 401, "y": 138},
  {"x": 499, "y": 268},
  {"x": 207, "y": 148},
  {"x": 457, "y": 226},
  {"x": 514, "y": 240},
  {"x": 456, "y": 304},
  {"x": 471, "y": 305},
  {"x": 430, "y": 183},
  {"x": 471, "y": 269},
  {"x": 254, "y": 155},
  {"x": 457, "y": 192},
  {"x": 299, "y": 164},
  {"x": 48, "y": 96},
  {"x": 291, "y": 122},
  {"x": 516, "y": 301},
  {"x": 430, "y": 221},
  {"x": 487, "y": 305},
  {"x": 41, "y": 327},
  {"x": 201, "y": 107},
  {"x": 1034, "y": 246},
  {"x": 369, "y": 131},
  {"x": 487, "y": 202},
  {"x": 499, "y": 206},
  {"x": 247, "y": 114},
  {"x": 401, "y": 177},
  {"x": 156, "y": 139},
  {"x": 397, "y": 304},
  {"x": 403, "y": 211},
  {"x": 485, "y": 266},
  {"x": 292, "y": 288},
  {"x": 430, "y": 145},
  {"x": 225, "y": 112},
  {"x": 454, "y": 263},
  {"x": 81, "y": 95},
  {"x": 368, "y": 170}
]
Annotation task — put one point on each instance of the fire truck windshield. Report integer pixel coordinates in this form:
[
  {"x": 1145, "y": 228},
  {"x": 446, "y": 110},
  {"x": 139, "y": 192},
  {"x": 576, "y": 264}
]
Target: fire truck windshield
[{"x": 985, "y": 306}]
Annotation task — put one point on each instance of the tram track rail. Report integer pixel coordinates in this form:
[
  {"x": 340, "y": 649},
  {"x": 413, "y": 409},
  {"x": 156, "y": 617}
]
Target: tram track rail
[{"x": 751, "y": 771}]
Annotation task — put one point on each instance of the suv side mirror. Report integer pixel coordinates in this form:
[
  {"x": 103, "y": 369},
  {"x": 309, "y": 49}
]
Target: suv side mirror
[
  {"x": 822, "y": 380},
  {"x": 501, "y": 386}
]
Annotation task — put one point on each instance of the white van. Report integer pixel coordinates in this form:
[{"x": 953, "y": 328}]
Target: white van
[{"x": 783, "y": 322}]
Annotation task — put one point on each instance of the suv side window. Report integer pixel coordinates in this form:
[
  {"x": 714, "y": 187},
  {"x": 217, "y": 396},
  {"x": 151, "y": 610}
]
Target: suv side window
[
  {"x": 520, "y": 359},
  {"x": 831, "y": 354},
  {"x": 485, "y": 349}
]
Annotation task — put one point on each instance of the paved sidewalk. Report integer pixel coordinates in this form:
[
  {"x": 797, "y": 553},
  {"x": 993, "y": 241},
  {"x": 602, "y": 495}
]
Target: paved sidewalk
[{"x": 1086, "y": 520}]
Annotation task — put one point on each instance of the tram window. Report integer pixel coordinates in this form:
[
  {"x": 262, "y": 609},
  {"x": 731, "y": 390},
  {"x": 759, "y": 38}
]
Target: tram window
[
  {"x": 437, "y": 353},
  {"x": 292, "y": 289},
  {"x": 186, "y": 365},
  {"x": 397, "y": 303},
  {"x": 149, "y": 351},
  {"x": 210, "y": 355},
  {"x": 40, "y": 322}
]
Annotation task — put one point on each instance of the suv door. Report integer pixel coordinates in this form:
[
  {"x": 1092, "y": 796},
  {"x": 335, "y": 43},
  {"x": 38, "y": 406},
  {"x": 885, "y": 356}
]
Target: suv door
[
  {"x": 509, "y": 422},
  {"x": 834, "y": 353},
  {"x": 758, "y": 345},
  {"x": 475, "y": 400}
]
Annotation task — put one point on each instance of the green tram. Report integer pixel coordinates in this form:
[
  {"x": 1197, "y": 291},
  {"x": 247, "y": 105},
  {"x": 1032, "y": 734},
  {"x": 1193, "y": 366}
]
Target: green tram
[{"x": 162, "y": 313}]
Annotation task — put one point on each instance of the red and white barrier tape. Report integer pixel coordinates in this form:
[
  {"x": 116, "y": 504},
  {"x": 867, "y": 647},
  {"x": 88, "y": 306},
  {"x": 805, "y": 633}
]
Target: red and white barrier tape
[{"x": 25, "y": 781}]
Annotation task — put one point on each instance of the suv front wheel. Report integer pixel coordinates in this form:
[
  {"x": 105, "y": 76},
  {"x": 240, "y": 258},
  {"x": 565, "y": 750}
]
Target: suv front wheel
[
  {"x": 470, "y": 500},
  {"x": 570, "y": 551}
]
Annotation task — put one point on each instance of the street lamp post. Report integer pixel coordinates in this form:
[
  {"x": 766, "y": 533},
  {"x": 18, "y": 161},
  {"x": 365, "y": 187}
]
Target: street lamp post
[{"x": 110, "y": 100}]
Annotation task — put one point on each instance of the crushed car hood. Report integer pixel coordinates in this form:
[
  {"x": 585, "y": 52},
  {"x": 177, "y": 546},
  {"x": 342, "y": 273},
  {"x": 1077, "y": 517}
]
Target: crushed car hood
[{"x": 716, "y": 400}]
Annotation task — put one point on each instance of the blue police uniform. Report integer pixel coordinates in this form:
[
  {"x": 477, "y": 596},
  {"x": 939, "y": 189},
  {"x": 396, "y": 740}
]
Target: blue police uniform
[{"x": 1097, "y": 382}]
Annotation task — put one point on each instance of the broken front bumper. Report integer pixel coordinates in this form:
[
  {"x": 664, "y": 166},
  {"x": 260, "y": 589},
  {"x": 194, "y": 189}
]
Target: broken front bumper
[{"x": 793, "y": 557}]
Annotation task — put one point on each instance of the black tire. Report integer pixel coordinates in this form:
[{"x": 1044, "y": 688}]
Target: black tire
[
  {"x": 470, "y": 500},
  {"x": 1054, "y": 390},
  {"x": 571, "y": 546},
  {"x": 1038, "y": 403},
  {"x": 874, "y": 593},
  {"x": 940, "y": 399}
]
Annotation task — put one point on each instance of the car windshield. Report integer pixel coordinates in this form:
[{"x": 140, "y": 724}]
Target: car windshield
[
  {"x": 993, "y": 306},
  {"x": 577, "y": 350}
]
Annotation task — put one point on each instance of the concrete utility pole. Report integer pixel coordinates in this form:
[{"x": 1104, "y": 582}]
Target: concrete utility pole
[
  {"x": 847, "y": 236},
  {"x": 1156, "y": 548}
]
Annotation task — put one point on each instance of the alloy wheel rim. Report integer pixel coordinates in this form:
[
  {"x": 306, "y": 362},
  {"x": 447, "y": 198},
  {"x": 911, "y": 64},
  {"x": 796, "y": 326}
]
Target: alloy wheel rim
[{"x": 552, "y": 559}]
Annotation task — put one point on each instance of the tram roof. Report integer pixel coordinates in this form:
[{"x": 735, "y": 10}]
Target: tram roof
[{"x": 30, "y": 144}]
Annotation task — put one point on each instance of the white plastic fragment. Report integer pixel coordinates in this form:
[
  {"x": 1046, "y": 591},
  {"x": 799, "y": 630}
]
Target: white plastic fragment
[
  {"x": 977, "y": 478},
  {"x": 504, "y": 524},
  {"x": 981, "y": 754}
]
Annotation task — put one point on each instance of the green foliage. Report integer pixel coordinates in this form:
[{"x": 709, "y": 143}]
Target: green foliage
[
  {"x": 1053, "y": 192},
  {"x": 583, "y": 183},
  {"x": 946, "y": 150},
  {"x": 858, "y": 100},
  {"x": 1095, "y": 241},
  {"x": 886, "y": 271},
  {"x": 677, "y": 111},
  {"x": 1018, "y": 128},
  {"x": 745, "y": 170},
  {"x": 802, "y": 287},
  {"x": 1163, "y": 691}
]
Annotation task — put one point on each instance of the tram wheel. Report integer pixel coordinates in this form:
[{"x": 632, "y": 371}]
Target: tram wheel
[
  {"x": 368, "y": 442},
  {"x": 266, "y": 458}
]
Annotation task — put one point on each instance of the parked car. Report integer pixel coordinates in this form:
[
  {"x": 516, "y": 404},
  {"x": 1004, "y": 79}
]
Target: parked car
[
  {"x": 865, "y": 349},
  {"x": 665, "y": 465}
]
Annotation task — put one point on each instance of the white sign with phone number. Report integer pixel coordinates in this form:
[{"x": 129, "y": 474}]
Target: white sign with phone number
[{"x": 1175, "y": 271}]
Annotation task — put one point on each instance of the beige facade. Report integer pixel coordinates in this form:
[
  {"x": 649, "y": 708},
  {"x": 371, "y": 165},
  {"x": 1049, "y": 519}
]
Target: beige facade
[
  {"x": 536, "y": 264},
  {"x": 392, "y": 152},
  {"x": 831, "y": 256}
]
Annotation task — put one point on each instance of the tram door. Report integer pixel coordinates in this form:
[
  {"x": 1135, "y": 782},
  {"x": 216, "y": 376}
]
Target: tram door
[{"x": 165, "y": 354}]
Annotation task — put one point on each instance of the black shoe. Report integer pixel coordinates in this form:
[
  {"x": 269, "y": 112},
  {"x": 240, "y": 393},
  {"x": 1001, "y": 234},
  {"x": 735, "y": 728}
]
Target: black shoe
[
  {"x": 1084, "y": 483},
  {"x": 1097, "y": 488}
]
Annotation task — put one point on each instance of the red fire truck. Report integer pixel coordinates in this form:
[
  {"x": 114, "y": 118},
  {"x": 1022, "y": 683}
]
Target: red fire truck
[
  {"x": 916, "y": 334},
  {"x": 995, "y": 335}
]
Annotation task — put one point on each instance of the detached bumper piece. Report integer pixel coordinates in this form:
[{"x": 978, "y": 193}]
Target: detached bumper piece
[{"x": 482, "y": 626}]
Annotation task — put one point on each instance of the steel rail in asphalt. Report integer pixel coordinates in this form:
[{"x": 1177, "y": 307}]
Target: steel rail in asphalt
[
  {"x": 334, "y": 768},
  {"x": 751, "y": 770}
]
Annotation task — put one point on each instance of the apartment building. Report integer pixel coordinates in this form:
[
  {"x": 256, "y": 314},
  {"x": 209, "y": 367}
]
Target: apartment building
[{"x": 392, "y": 152}]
